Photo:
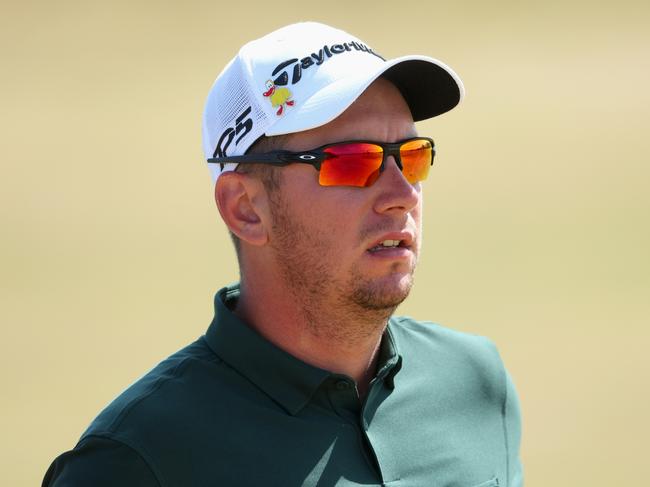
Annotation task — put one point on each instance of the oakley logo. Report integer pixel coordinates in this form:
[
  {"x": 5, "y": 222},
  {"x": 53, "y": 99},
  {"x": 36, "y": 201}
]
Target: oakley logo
[
  {"x": 243, "y": 125},
  {"x": 314, "y": 59}
]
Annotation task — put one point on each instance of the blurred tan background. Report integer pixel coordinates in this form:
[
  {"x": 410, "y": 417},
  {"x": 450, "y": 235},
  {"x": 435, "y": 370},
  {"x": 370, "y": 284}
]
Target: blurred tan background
[{"x": 536, "y": 216}]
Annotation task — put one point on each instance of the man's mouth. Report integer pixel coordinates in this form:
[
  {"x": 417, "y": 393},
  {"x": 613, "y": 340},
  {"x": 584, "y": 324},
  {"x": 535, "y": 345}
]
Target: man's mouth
[{"x": 387, "y": 244}]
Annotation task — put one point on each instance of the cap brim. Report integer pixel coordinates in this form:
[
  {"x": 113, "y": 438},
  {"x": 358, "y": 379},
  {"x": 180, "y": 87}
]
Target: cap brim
[{"x": 428, "y": 86}]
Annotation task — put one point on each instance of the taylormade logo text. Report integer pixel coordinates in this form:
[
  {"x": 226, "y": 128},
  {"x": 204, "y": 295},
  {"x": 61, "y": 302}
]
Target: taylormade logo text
[{"x": 315, "y": 58}]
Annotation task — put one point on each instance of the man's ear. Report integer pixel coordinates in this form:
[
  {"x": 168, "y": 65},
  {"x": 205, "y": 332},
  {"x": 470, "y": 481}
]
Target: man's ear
[{"x": 243, "y": 205}]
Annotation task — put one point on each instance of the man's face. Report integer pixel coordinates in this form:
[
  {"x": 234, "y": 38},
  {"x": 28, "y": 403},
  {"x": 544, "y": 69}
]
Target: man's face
[{"x": 324, "y": 239}]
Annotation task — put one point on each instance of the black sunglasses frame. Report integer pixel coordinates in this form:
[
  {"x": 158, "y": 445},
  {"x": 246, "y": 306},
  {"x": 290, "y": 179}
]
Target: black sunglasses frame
[{"x": 315, "y": 157}]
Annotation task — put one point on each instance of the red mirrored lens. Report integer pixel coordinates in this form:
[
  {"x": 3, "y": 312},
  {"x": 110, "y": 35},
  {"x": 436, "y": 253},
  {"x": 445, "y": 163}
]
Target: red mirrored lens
[
  {"x": 416, "y": 156},
  {"x": 355, "y": 164}
]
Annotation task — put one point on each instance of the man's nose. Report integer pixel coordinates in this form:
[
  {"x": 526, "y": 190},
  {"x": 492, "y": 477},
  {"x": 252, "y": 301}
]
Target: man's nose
[{"x": 396, "y": 194}]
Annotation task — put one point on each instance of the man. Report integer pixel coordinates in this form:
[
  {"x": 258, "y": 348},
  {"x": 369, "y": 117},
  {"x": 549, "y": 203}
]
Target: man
[{"x": 304, "y": 378}]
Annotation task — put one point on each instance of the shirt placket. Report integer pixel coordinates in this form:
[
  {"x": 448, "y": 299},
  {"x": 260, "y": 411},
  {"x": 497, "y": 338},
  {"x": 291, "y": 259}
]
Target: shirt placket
[{"x": 346, "y": 403}]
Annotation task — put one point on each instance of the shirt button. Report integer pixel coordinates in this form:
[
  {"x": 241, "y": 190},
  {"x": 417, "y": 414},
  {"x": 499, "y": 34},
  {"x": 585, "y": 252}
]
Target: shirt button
[{"x": 342, "y": 385}]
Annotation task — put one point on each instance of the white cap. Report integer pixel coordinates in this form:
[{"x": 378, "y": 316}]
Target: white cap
[{"x": 305, "y": 75}]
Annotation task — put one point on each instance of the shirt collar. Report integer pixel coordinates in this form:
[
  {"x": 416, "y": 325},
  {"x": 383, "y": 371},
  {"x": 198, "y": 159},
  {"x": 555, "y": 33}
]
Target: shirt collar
[{"x": 287, "y": 380}]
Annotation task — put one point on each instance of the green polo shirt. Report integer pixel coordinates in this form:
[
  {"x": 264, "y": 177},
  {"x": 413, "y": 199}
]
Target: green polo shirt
[{"x": 232, "y": 409}]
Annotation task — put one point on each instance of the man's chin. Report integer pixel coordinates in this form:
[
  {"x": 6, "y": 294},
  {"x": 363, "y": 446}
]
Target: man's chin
[{"x": 383, "y": 295}]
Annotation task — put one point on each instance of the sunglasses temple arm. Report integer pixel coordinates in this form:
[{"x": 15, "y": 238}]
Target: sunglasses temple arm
[{"x": 274, "y": 158}]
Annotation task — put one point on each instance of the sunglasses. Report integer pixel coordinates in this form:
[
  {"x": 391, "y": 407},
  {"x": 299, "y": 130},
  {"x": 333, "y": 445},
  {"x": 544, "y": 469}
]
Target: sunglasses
[{"x": 354, "y": 163}]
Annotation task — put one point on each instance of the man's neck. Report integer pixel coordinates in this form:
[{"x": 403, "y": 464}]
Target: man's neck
[{"x": 338, "y": 342}]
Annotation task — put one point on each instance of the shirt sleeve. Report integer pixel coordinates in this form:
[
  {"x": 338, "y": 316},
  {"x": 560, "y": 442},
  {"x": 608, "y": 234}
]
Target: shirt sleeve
[
  {"x": 100, "y": 462},
  {"x": 512, "y": 424}
]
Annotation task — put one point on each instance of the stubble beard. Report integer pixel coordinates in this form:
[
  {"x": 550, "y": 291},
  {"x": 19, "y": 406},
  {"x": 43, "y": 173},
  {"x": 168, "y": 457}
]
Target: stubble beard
[{"x": 345, "y": 310}]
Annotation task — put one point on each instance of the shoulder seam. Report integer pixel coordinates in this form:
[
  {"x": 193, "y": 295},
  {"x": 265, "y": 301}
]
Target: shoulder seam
[{"x": 156, "y": 385}]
